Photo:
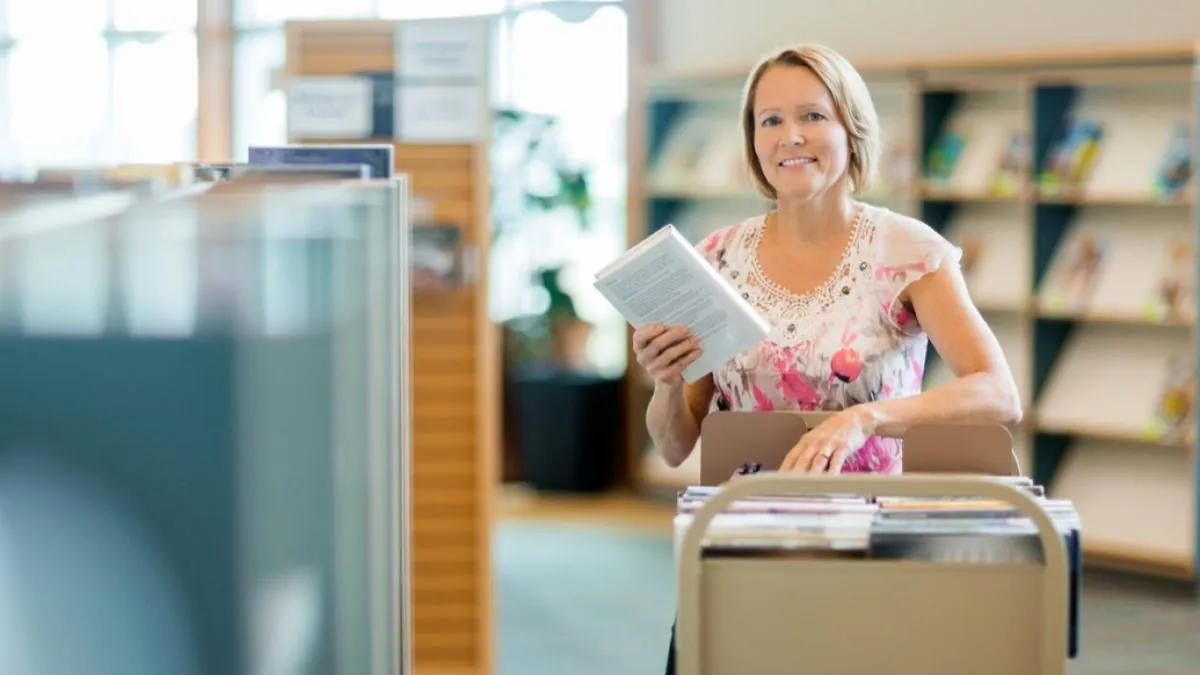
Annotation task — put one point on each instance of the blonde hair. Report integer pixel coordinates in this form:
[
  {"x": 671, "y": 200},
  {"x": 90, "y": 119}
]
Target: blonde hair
[{"x": 852, "y": 103}]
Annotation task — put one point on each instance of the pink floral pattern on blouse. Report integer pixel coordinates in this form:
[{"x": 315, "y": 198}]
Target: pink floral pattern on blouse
[{"x": 846, "y": 342}]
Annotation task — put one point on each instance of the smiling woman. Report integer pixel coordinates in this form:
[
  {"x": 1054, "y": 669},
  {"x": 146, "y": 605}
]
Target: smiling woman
[{"x": 855, "y": 293}]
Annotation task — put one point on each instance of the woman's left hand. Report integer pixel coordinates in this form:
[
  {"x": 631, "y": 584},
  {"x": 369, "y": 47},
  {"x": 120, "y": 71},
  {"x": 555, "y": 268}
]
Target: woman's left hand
[{"x": 825, "y": 448}]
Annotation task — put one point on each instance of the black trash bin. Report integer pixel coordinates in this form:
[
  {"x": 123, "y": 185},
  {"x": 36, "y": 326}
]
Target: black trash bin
[{"x": 569, "y": 429}]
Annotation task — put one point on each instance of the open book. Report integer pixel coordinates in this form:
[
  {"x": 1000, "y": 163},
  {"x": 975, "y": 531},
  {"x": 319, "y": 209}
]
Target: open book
[{"x": 664, "y": 280}]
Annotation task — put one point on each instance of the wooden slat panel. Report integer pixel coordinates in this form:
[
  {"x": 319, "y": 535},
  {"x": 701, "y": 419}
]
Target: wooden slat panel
[
  {"x": 436, "y": 155},
  {"x": 451, "y": 211},
  {"x": 448, "y": 498},
  {"x": 449, "y": 458},
  {"x": 461, "y": 413},
  {"x": 451, "y": 182},
  {"x": 450, "y": 526},
  {"x": 444, "y": 510},
  {"x": 447, "y": 462}
]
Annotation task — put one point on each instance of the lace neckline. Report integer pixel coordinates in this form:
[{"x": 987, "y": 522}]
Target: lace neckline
[{"x": 822, "y": 296}]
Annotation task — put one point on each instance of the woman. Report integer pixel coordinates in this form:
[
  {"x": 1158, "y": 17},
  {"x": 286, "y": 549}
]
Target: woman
[{"x": 854, "y": 292}]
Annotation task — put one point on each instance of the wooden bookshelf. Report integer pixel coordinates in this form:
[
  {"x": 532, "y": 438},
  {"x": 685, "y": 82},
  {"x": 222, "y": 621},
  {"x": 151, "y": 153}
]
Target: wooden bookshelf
[
  {"x": 1090, "y": 375},
  {"x": 455, "y": 375}
]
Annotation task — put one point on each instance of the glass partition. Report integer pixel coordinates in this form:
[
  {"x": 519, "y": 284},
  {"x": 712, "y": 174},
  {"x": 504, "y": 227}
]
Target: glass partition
[{"x": 203, "y": 444}]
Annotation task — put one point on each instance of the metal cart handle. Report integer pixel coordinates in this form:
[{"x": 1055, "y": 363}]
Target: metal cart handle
[{"x": 1054, "y": 588}]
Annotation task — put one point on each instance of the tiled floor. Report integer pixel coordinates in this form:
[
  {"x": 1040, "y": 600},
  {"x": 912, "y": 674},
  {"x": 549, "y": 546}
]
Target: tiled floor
[{"x": 585, "y": 585}]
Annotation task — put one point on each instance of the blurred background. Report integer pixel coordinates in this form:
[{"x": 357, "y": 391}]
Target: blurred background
[{"x": 542, "y": 137}]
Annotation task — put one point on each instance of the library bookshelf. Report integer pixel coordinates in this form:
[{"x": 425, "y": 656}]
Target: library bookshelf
[
  {"x": 455, "y": 369},
  {"x": 1066, "y": 179}
]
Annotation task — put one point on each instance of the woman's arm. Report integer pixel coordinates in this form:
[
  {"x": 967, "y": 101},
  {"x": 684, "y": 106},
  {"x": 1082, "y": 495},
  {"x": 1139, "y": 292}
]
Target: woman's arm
[
  {"x": 983, "y": 391},
  {"x": 674, "y": 415}
]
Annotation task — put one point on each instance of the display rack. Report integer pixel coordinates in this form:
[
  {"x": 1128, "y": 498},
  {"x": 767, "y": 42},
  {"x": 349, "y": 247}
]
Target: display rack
[
  {"x": 454, "y": 346},
  {"x": 1088, "y": 282},
  {"x": 741, "y": 613}
]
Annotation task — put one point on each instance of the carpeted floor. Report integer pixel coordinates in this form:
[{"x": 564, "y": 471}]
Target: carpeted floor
[
  {"x": 597, "y": 599},
  {"x": 584, "y": 600}
]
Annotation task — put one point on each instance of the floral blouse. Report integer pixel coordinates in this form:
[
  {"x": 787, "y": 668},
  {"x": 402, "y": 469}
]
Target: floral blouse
[{"x": 847, "y": 341}]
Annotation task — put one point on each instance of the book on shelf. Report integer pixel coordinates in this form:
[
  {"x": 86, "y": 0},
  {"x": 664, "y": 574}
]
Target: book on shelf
[
  {"x": 895, "y": 171},
  {"x": 1071, "y": 159},
  {"x": 664, "y": 280},
  {"x": 701, "y": 150},
  {"x": 944, "y": 154},
  {"x": 1072, "y": 278},
  {"x": 1013, "y": 166},
  {"x": 973, "y": 246},
  {"x": 1174, "y": 419},
  {"x": 1175, "y": 294},
  {"x": 1175, "y": 169},
  {"x": 682, "y": 150},
  {"x": 944, "y": 530}
]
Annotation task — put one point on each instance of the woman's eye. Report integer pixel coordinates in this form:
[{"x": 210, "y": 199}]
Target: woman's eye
[
  {"x": 815, "y": 117},
  {"x": 770, "y": 121}
]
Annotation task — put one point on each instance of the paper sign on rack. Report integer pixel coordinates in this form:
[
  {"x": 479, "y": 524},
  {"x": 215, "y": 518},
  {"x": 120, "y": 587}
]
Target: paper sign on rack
[
  {"x": 440, "y": 113},
  {"x": 441, "y": 80},
  {"x": 442, "y": 49},
  {"x": 334, "y": 108}
]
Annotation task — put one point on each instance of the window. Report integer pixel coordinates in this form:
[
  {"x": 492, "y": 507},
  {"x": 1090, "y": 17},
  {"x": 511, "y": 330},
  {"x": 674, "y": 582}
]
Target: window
[
  {"x": 438, "y": 9},
  {"x": 153, "y": 15},
  {"x": 154, "y": 99},
  {"x": 589, "y": 98},
  {"x": 272, "y": 12},
  {"x": 35, "y": 19},
  {"x": 593, "y": 86},
  {"x": 59, "y": 104},
  {"x": 259, "y": 109},
  {"x": 7, "y": 149},
  {"x": 91, "y": 82}
]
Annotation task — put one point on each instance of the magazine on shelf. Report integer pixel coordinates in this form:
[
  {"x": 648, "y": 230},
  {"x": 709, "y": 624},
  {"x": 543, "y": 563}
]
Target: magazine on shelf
[
  {"x": 1072, "y": 279},
  {"x": 1175, "y": 297},
  {"x": 1175, "y": 169},
  {"x": 1013, "y": 167},
  {"x": 1174, "y": 419},
  {"x": 1070, "y": 161},
  {"x": 664, "y": 280},
  {"x": 378, "y": 158},
  {"x": 973, "y": 246},
  {"x": 697, "y": 149},
  {"x": 944, "y": 154}
]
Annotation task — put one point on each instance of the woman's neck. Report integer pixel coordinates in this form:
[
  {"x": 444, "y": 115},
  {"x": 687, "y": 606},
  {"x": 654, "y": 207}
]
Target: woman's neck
[{"x": 817, "y": 220}]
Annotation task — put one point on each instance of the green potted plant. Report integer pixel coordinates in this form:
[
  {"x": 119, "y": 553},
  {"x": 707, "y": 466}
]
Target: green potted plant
[
  {"x": 535, "y": 177},
  {"x": 561, "y": 419}
]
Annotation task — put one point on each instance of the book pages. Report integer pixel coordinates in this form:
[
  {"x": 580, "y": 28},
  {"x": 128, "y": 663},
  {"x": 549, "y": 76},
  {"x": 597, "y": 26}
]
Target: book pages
[{"x": 664, "y": 280}]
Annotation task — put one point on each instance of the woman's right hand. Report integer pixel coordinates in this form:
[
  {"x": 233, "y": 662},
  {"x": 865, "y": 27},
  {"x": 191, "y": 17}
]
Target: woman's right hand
[{"x": 664, "y": 351}]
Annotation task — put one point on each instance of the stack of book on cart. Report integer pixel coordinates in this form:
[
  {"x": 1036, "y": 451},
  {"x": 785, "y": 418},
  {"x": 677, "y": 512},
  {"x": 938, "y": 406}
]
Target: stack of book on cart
[{"x": 839, "y": 526}]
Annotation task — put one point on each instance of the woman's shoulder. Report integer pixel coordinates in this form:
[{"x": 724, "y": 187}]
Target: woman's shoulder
[
  {"x": 716, "y": 245},
  {"x": 891, "y": 227},
  {"x": 899, "y": 238}
]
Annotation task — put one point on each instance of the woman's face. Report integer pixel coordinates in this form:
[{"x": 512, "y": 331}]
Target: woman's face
[{"x": 799, "y": 140}]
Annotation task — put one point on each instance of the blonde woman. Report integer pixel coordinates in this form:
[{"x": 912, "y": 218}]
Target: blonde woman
[{"x": 854, "y": 292}]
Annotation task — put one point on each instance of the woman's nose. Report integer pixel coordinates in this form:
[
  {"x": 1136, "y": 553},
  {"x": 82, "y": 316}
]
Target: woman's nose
[{"x": 794, "y": 135}]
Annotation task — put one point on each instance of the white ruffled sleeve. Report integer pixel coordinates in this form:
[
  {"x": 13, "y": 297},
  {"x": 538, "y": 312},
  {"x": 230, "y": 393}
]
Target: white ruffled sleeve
[{"x": 908, "y": 250}]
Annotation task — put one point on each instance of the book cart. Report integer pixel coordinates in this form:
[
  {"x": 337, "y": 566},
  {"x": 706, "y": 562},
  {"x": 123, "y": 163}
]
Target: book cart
[{"x": 756, "y": 615}]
